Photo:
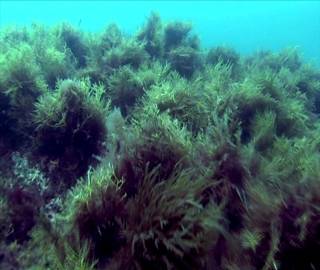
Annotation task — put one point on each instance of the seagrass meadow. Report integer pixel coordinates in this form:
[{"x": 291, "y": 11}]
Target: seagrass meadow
[{"x": 149, "y": 152}]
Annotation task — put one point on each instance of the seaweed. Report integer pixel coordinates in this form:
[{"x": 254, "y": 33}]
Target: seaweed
[
  {"x": 175, "y": 33},
  {"x": 97, "y": 215},
  {"x": 209, "y": 159},
  {"x": 23, "y": 208},
  {"x": 183, "y": 101},
  {"x": 185, "y": 60},
  {"x": 71, "y": 130},
  {"x": 75, "y": 43},
  {"x": 127, "y": 53},
  {"x": 21, "y": 83},
  {"x": 226, "y": 56},
  {"x": 167, "y": 227},
  {"x": 125, "y": 88},
  {"x": 151, "y": 36},
  {"x": 159, "y": 142},
  {"x": 110, "y": 38}
]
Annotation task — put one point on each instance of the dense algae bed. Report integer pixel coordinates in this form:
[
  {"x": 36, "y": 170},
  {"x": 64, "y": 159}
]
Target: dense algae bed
[{"x": 148, "y": 152}]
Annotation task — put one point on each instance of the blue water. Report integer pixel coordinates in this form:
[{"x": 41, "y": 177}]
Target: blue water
[{"x": 246, "y": 25}]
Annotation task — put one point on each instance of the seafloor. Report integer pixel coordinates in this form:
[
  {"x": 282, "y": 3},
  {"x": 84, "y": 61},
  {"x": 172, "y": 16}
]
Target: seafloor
[{"x": 148, "y": 152}]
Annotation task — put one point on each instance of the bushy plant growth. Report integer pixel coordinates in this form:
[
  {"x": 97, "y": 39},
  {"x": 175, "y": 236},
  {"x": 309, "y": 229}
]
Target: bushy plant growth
[
  {"x": 147, "y": 151},
  {"x": 70, "y": 130}
]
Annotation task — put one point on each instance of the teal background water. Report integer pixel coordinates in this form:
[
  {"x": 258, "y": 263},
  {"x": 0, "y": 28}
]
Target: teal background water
[{"x": 246, "y": 25}]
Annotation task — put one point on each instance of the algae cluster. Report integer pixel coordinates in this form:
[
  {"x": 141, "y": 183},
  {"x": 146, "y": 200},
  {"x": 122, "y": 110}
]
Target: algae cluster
[{"x": 149, "y": 152}]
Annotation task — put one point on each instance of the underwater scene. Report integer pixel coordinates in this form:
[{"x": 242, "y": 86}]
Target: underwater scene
[{"x": 159, "y": 135}]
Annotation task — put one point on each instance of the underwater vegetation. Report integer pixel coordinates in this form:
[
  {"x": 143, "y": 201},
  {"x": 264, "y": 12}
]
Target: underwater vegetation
[
  {"x": 147, "y": 151},
  {"x": 70, "y": 130}
]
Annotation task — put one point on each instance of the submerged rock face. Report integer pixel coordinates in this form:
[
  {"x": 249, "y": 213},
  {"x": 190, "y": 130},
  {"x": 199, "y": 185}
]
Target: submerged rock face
[{"x": 149, "y": 152}]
